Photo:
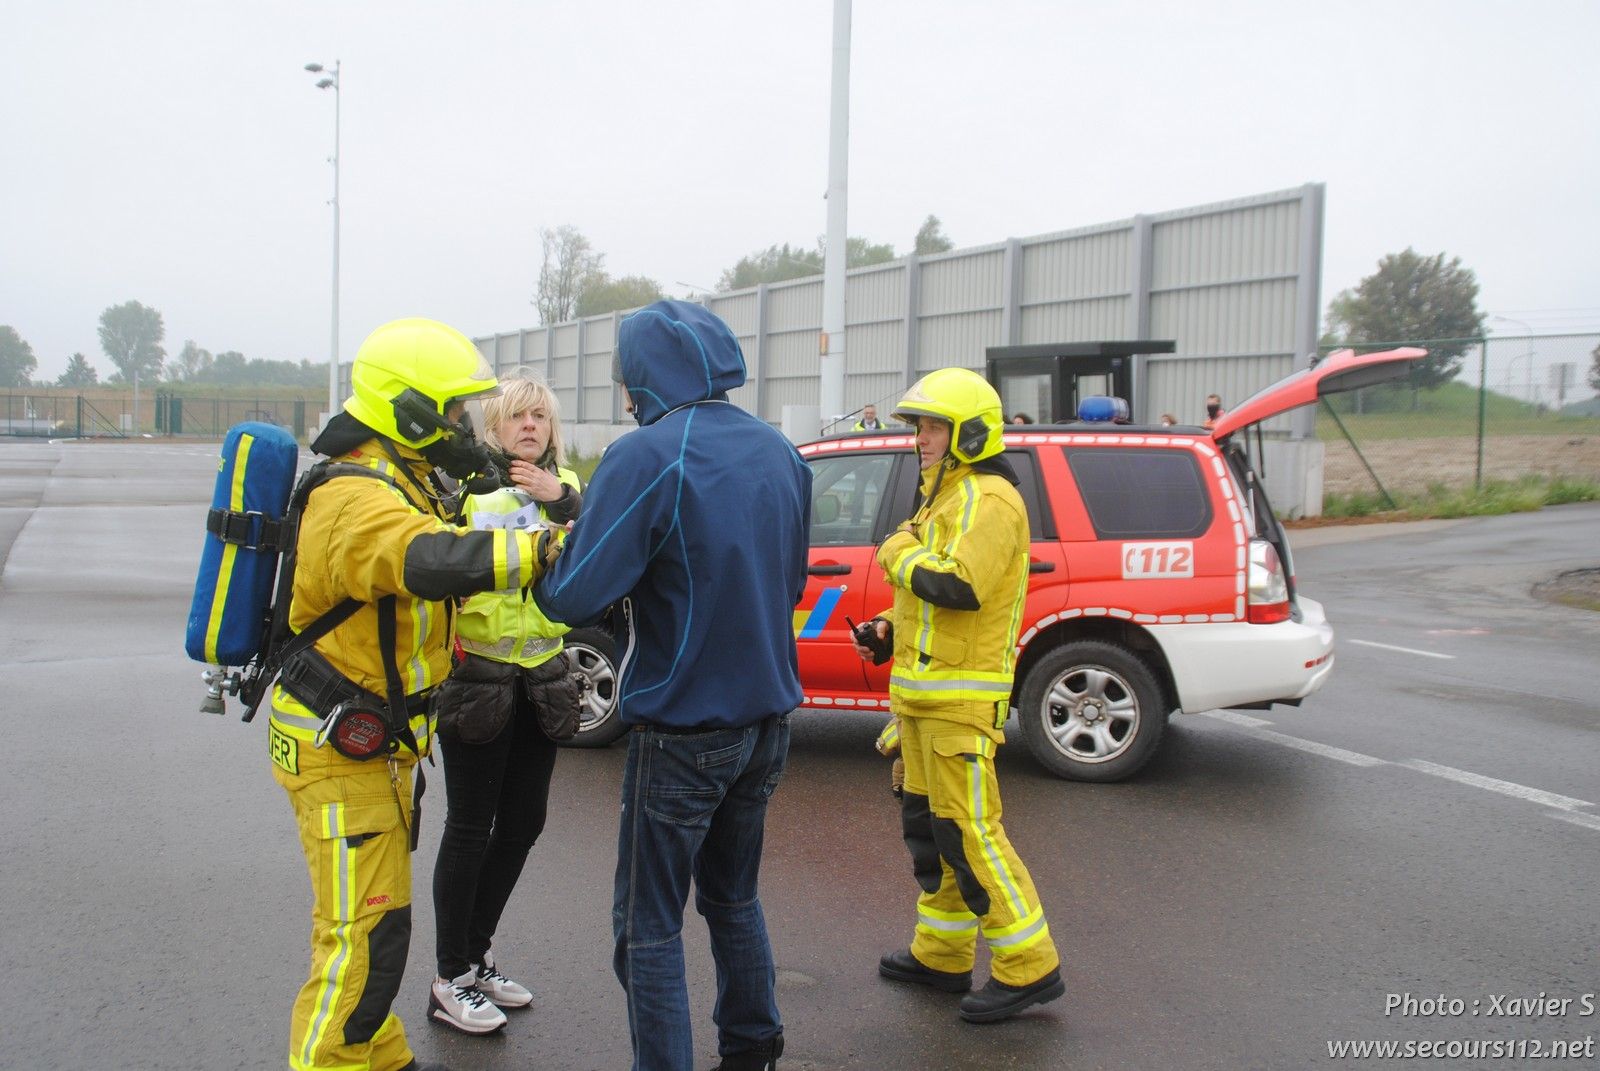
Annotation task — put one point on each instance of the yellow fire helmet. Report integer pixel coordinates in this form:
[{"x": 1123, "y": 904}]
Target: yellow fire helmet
[
  {"x": 966, "y": 400},
  {"x": 408, "y": 372}
]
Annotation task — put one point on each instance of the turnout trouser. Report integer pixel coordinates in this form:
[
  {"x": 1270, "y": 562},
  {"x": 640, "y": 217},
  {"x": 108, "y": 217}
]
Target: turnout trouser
[
  {"x": 353, "y": 819},
  {"x": 971, "y": 877}
]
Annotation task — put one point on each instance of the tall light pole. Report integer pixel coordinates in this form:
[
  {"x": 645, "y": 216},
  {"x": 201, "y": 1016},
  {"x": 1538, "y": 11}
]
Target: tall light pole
[
  {"x": 330, "y": 80},
  {"x": 832, "y": 348}
]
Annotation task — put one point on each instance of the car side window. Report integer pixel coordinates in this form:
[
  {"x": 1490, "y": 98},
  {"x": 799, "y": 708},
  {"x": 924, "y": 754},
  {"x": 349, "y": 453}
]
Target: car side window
[
  {"x": 1032, "y": 490},
  {"x": 846, "y": 492},
  {"x": 903, "y": 496},
  {"x": 1137, "y": 493}
]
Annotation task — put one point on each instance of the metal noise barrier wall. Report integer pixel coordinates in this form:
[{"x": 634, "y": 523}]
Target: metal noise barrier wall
[{"x": 1236, "y": 283}]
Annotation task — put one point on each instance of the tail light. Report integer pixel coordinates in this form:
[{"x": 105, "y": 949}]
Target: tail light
[{"x": 1267, "y": 597}]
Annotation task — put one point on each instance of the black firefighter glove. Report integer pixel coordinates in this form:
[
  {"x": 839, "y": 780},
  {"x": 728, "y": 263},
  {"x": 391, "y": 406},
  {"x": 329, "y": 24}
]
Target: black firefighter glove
[{"x": 882, "y": 647}]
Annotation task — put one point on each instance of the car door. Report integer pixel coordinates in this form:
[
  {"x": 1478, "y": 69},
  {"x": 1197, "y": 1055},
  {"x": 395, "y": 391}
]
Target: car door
[
  {"x": 1047, "y": 574},
  {"x": 848, "y": 499}
]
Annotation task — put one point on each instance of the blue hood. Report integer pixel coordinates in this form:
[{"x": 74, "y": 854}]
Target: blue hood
[{"x": 676, "y": 352}]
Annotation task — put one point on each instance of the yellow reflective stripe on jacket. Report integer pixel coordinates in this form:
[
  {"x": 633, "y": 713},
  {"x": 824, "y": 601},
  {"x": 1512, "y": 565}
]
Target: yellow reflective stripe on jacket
[
  {"x": 230, "y": 551},
  {"x": 959, "y": 663},
  {"x": 506, "y": 625},
  {"x": 953, "y": 684},
  {"x": 295, "y": 719}
]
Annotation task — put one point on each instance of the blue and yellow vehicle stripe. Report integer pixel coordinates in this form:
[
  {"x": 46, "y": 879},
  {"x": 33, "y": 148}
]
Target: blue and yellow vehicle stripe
[{"x": 808, "y": 625}]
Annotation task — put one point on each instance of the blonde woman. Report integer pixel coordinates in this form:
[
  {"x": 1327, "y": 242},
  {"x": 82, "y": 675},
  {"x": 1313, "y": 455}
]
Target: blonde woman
[{"x": 500, "y": 715}]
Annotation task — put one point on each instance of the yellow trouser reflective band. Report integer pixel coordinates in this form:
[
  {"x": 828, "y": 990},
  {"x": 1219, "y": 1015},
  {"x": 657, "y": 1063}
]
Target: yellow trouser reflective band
[
  {"x": 929, "y": 918},
  {"x": 332, "y": 820},
  {"x": 342, "y": 901},
  {"x": 1019, "y": 935},
  {"x": 989, "y": 852}
]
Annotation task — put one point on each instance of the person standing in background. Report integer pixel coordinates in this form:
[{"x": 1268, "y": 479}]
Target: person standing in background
[{"x": 869, "y": 419}]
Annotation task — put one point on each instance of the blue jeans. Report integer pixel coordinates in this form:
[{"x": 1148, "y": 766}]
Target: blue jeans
[{"x": 695, "y": 805}]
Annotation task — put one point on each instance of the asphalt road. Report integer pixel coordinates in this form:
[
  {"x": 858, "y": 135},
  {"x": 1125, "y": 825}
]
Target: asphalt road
[{"x": 1425, "y": 826}]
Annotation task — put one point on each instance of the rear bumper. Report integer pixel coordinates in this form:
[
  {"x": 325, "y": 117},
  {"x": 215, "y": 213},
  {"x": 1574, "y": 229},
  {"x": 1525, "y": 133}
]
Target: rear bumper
[{"x": 1232, "y": 663}]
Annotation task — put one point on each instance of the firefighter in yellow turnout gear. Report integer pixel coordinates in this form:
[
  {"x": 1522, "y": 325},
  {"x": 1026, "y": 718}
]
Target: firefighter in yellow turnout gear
[
  {"x": 388, "y": 543},
  {"x": 959, "y": 568}
]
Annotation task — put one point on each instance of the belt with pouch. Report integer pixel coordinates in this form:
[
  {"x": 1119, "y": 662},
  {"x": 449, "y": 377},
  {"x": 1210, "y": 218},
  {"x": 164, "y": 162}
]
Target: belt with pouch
[{"x": 357, "y": 722}]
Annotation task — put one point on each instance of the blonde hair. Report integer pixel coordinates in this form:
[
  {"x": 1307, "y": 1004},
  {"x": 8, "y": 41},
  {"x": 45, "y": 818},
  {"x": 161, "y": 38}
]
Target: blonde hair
[{"x": 521, "y": 391}]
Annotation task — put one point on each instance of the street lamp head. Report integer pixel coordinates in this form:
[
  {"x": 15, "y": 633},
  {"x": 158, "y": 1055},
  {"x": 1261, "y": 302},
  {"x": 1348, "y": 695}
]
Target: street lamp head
[
  {"x": 314, "y": 68},
  {"x": 325, "y": 83}
]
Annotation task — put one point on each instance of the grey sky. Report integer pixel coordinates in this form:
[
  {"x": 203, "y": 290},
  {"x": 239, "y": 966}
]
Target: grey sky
[{"x": 175, "y": 153}]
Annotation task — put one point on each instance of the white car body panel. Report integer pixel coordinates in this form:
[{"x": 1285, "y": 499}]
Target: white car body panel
[{"x": 1226, "y": 664}]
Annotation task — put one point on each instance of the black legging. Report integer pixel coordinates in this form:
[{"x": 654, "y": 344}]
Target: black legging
[{"x": 497, "y": 796}]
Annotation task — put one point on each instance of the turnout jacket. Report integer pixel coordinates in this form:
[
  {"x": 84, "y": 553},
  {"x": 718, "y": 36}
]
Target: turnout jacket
[
  {"x": 363, "y": 538},
  {"x": 507, "y": 625},
  {"x": 959, "y": 569},
  {"x": 698, "y": 522}
]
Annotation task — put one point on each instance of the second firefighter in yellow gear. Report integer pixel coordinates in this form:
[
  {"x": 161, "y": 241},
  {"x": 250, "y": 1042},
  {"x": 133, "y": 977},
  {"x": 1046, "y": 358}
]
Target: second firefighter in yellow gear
[
  {"x": 388, "y": 543},
  {"x": 959, "y": 569}
]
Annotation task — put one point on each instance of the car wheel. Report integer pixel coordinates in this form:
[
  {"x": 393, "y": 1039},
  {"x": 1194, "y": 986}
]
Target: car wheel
[
  {"x": 1091, "y": 711},
  {"x": 593, "y": 656}
]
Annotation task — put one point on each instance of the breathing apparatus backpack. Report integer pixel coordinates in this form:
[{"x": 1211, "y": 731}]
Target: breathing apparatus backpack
[{"x": 240, "y": 614}]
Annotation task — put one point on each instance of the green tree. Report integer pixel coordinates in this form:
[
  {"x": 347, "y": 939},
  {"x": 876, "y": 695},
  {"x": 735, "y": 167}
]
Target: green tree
[
  {"x": 931, "y": 237},
  {"x": 79, "y": 373},
  {"x": 17, "y": 361},
  {"x": 605, "y": 294},
  {"x": 190, "y": 362},
  {"x": 1412, "y": 297},
  {"x": 773, "y": 264},
  {"x": 1594, "y": 368},
  {"x": 228, "y": 367},
  {"x": 131, "y": 336},
  {"x": 776, "y": 263},
  {"x": 570, "y": 264}
]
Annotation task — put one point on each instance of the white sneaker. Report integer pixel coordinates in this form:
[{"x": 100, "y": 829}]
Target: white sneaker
[
  {"x": 500, "y": 989},
  {"x": 459, "y": 1003}
]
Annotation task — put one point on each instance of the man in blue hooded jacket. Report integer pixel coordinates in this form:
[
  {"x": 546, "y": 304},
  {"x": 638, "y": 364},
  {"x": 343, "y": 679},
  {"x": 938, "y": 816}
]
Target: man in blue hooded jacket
[{"x": 698, "y": 523}]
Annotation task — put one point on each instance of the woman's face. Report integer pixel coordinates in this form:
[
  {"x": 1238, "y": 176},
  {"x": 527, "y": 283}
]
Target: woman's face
[{"x": 525, "y": 433}]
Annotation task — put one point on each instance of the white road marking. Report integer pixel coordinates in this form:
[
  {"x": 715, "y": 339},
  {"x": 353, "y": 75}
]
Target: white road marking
[
  {"x": 1403, "y": 650},
  {"x": 1589, "y": 821},
  {"x": 1327, "y": 751},
  {"x": 1491, "y": 784},
  {"x": 1233, "y": 717},
  {"x": 1568, "y": 805}
]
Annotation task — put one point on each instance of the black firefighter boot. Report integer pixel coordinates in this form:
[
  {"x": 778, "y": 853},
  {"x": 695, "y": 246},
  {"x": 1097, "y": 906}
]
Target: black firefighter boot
[
  {"x": 764, "y": 1057},
  {"x": 996, "y": 1000}
]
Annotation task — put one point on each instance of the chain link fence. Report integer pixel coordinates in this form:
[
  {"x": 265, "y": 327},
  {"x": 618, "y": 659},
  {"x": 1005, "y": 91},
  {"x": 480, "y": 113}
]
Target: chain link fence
[
  {"x": 66, "y": 413},
  {"x": 1478, "y": 410}
]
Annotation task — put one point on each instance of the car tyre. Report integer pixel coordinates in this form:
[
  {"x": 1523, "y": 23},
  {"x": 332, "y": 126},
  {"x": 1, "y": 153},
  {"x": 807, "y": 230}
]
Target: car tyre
[
  {"x": 1091, "y": 711},
  {"x": 592, "y": 653}
]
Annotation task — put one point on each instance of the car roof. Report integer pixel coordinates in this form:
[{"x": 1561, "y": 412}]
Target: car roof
[{"x": 1016, "y": 432}]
